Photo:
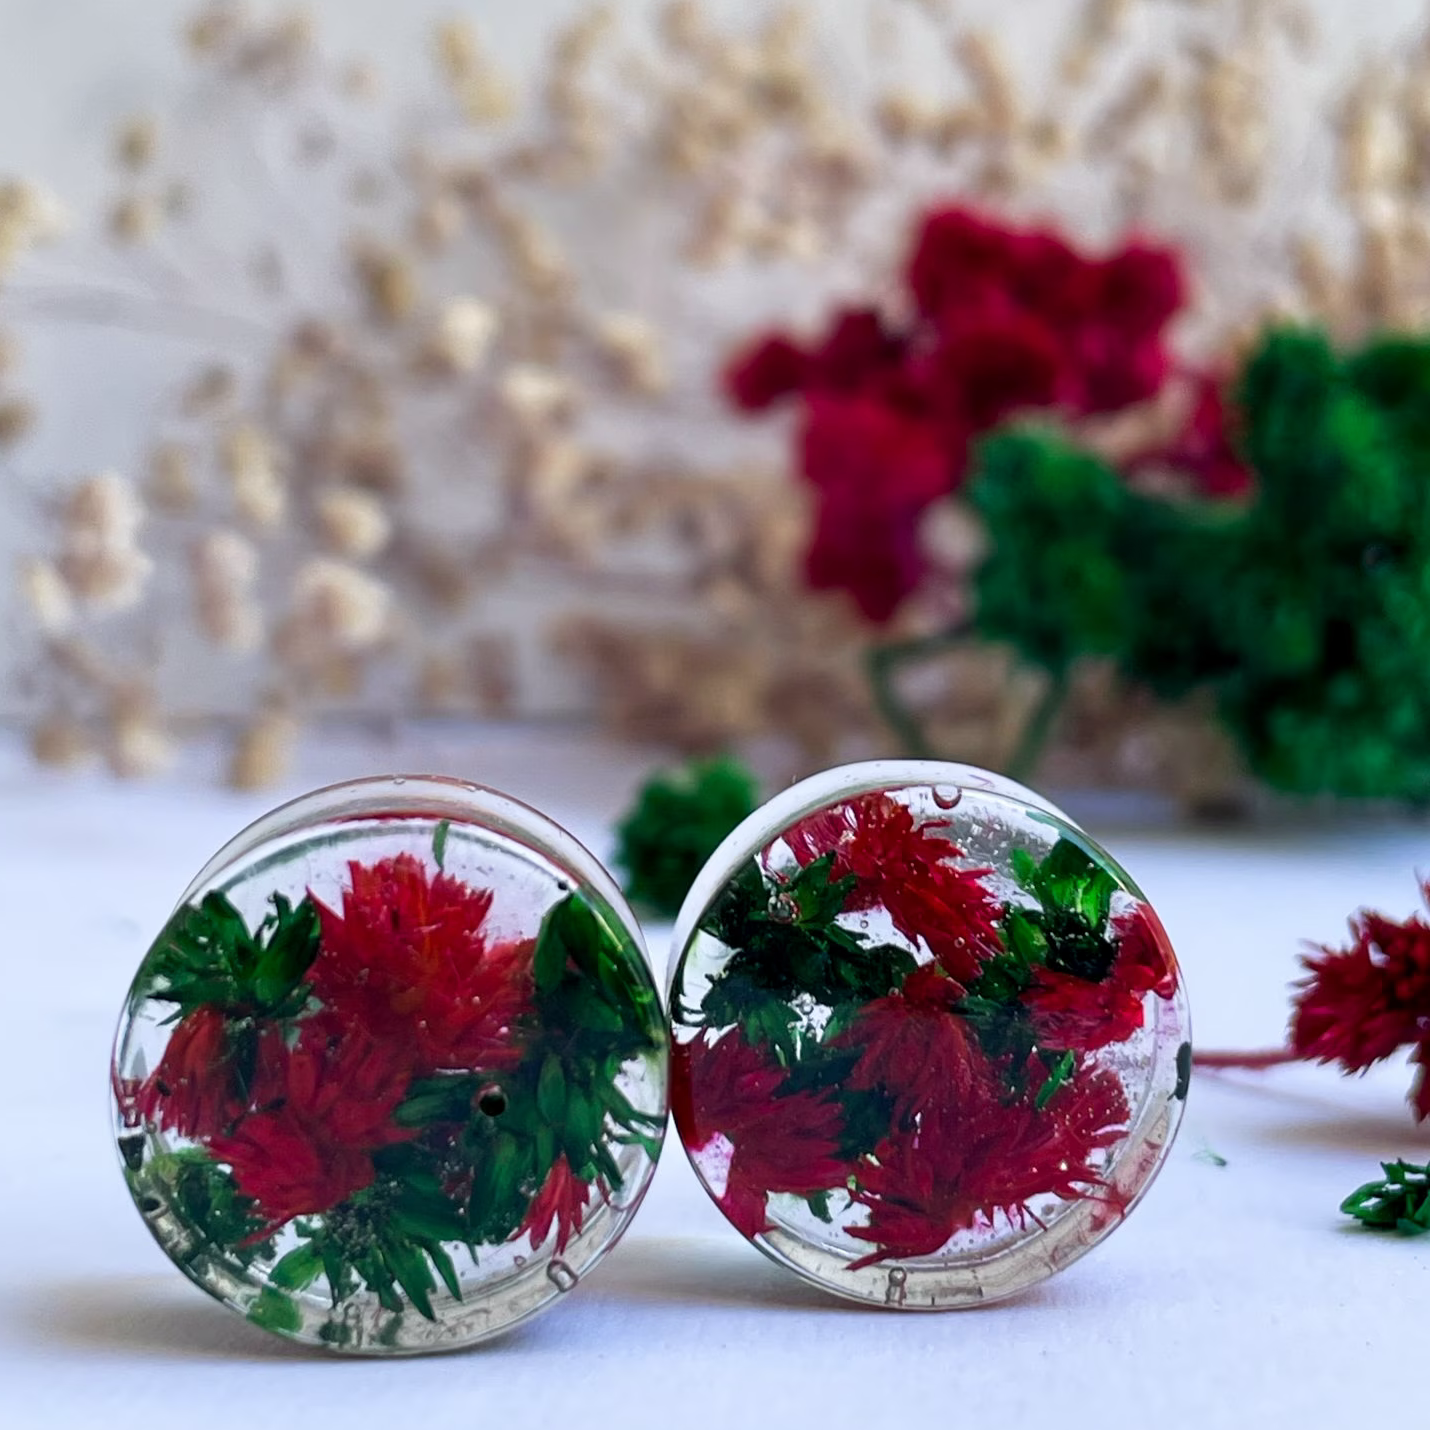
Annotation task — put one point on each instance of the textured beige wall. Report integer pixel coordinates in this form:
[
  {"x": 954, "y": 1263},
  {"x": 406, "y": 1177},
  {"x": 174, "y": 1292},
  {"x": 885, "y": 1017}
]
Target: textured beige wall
[{"x": 69, "y": 71}]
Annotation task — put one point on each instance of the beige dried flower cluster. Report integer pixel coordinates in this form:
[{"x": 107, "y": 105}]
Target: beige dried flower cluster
[
  {"x": 30, "y": 217},
  {"x": 456, "y": 414}
]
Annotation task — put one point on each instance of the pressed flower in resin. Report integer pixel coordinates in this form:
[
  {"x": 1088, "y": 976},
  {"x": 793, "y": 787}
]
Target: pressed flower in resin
[
  {"x": 393, "y": 1075},
  {"x": 930, "y": 1042}
]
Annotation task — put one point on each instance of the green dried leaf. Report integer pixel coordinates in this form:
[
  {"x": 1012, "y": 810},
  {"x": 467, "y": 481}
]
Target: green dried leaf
[
  {"x": 551, "y": 1090},
  {"x": 438, "y": 1256},
  {"x": 1057, "y": 1076},
  {"x": 276, "y": 1311},
  {"x": 298, "y": 1269},
  {"x": 207, "y": 956},
  {"x": 1399, "y": 1201},
  {"x": 411, "y": 1271}
]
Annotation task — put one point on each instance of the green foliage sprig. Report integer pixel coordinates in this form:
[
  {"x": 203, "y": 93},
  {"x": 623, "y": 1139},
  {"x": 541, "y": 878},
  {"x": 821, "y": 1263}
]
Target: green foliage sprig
[
  {"x": 207, "y": 956},
  {"x": 787, "y": 943},
  {"x": 1400, "y": 1201}
]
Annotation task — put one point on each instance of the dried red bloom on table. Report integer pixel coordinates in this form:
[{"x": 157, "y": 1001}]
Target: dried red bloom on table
[
  {"x": 1083, "y": 1015},
  {"x": 561, "y": 1203},
  {"x": 408, "y": 959},
  {"x": 910, "y": 870},
  {"x": 324, "y": 1107},
  {"x": 1365, "y": 1002},
  {"x": 193, "y": 1090}
]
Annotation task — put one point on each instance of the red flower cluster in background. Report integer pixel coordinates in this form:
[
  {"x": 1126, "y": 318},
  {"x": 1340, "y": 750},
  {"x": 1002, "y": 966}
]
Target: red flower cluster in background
[
  {"x": 1202, "y": 451},
  {"x": 1003, "y": 320}
]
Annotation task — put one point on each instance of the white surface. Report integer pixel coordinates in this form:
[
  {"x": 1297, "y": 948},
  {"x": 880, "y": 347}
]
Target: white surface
[{"x": 1235, "y": 1296}]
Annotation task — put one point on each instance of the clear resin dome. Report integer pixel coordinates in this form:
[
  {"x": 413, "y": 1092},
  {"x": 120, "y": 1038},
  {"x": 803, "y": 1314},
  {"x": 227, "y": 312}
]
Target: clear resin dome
[
  {"x": 393, "y": 1076},
  {"x": 930, "y": 1042}
]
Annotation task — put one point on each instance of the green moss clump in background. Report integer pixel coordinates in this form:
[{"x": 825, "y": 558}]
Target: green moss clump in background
[
  {"x": 675, "y": 825},
  {"x": 1306, "y": 611}
]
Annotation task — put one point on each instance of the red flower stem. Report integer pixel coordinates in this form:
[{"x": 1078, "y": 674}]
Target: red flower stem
[
  {"x": 883, "y": 661},
  {"x": 1250, "y": 1062}
]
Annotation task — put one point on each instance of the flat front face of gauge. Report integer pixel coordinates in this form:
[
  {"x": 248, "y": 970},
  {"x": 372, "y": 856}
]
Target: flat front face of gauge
[
  {"x": 930, "y": 1043},
  {"x": 391, "y": 1082}
]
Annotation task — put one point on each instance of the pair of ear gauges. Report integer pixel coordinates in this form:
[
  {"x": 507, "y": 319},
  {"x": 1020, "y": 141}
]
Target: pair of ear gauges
[{"x": 395, "y": 1075}]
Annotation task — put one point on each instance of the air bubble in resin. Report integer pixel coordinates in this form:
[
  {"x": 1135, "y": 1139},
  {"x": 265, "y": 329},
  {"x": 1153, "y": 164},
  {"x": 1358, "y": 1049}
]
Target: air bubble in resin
[
  {"x": 393, "y": 1076},
  {"x": 952, "y": 1067}
]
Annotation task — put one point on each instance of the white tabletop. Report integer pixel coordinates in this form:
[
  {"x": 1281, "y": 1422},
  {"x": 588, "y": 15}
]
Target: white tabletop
[{"x": 1235, "y": 1296}]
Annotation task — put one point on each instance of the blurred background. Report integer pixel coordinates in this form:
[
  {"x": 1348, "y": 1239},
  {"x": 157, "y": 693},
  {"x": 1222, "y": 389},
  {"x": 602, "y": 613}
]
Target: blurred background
[{"x": 718, "y": 374}]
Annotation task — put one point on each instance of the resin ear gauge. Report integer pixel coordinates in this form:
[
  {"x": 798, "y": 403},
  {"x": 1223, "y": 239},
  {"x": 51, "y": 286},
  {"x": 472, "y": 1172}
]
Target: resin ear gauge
[
  {"x": 930, "y": 1042},
  {"x": 393, "y": 1076}
]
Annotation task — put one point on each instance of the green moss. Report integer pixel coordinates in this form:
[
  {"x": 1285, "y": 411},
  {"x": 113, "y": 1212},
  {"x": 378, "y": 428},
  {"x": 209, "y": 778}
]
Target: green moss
[
  {"x": 676, "y": 823},
  {"x": 1306, "y": 611}
]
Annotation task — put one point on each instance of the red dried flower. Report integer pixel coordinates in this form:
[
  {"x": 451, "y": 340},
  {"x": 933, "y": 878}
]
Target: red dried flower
[
  {"x": 914, "y": 1047},
  {"x": 324, "y": 1107},
  {"x": 714, "y": 1085},
  {"x": 972, "y": 1159},
  {"x": 1076, "y": 1013},
  {"x": 1006, "y": 320},
  {"x": 771, "y": 369},
  {"x": 858, "y": 350},
  {"x": 192, "y": 1090},
  {"x": 408, "y": 960},
  {"x": 1204, "y": 450},
  {"x": 561, "y": 1202},
  {"x": 877, "y": 470},
  {"x": 908, "y": 869},
  {"x": 955, "y": 254},
  {"x": 1141, "y": 288},
  {"x": 1048, "y": 276},
  {"x": 786, "y": 1143},
  {"x": 1115, "y": 371},
  {"x": 994, "y": 361},
  {"x": 1363, "y": 1003}
]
